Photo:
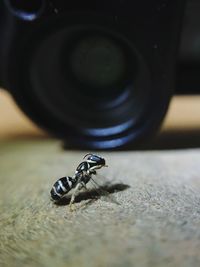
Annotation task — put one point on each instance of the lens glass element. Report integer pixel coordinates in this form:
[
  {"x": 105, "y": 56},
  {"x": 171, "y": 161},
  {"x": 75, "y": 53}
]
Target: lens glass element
[{"x": 91, "y": 79}]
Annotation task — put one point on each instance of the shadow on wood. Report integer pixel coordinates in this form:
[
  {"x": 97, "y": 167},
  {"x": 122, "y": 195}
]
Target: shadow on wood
[{"x": 94, "y": 193}]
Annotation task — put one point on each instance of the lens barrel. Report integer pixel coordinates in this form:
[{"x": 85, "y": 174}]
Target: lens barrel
[{"x": 98, "y": 75}]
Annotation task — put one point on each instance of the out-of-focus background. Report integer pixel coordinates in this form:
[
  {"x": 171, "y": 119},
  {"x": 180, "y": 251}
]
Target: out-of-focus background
[{"x": 181, "y": 127}]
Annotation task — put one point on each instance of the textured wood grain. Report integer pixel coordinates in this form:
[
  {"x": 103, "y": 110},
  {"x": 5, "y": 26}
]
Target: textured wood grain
[{"x": 157, "y": 223}]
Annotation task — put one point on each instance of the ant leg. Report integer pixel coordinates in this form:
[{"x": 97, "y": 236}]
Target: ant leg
[
  {"x": 89, "y": 172},
  {"x": 78, "y": 187},
  {"x": 84, "y": 186}
]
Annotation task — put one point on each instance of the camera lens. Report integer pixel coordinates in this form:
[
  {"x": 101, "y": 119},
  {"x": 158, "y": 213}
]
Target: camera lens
[
  {"x": 98, "y": 62},
  {"x": 92, "y": 73},
  {"x": 92, "y": 81}
]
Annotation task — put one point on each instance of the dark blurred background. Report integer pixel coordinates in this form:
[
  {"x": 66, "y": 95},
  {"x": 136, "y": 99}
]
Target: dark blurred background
[
  {"x": 182, "y": 124},
  {"x": 188, "y": 73}
]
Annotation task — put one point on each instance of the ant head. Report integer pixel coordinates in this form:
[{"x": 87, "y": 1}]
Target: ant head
[{"x": 99, "y": 161}]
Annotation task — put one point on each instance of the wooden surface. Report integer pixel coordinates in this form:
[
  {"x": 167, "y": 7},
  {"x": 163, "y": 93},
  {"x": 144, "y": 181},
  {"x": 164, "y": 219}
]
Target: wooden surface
[{"x": 155, "y": 224}]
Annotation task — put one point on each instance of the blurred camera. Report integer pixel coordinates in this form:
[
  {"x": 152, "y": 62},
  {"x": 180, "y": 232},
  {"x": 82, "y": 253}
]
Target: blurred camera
[{"x": 98, "y": 74}]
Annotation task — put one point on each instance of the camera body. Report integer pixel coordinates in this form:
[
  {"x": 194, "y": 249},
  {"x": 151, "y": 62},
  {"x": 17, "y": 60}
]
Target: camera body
[{"x": 97, "y": 74}]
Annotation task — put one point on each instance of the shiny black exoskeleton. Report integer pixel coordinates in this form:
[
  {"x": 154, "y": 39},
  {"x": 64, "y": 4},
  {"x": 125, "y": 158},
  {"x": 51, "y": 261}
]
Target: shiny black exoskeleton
[
  {"x": 82, "y": 176},
  {"x": 91, "y": 163},
  {"x": 62, "y": 186}
]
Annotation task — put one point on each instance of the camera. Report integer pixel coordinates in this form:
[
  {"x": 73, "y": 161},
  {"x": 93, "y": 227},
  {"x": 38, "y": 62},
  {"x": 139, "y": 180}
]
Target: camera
[{"x": 98, "y": 74}]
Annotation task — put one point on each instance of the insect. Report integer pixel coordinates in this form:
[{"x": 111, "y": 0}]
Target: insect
[{"x": 82, "y": 176}]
